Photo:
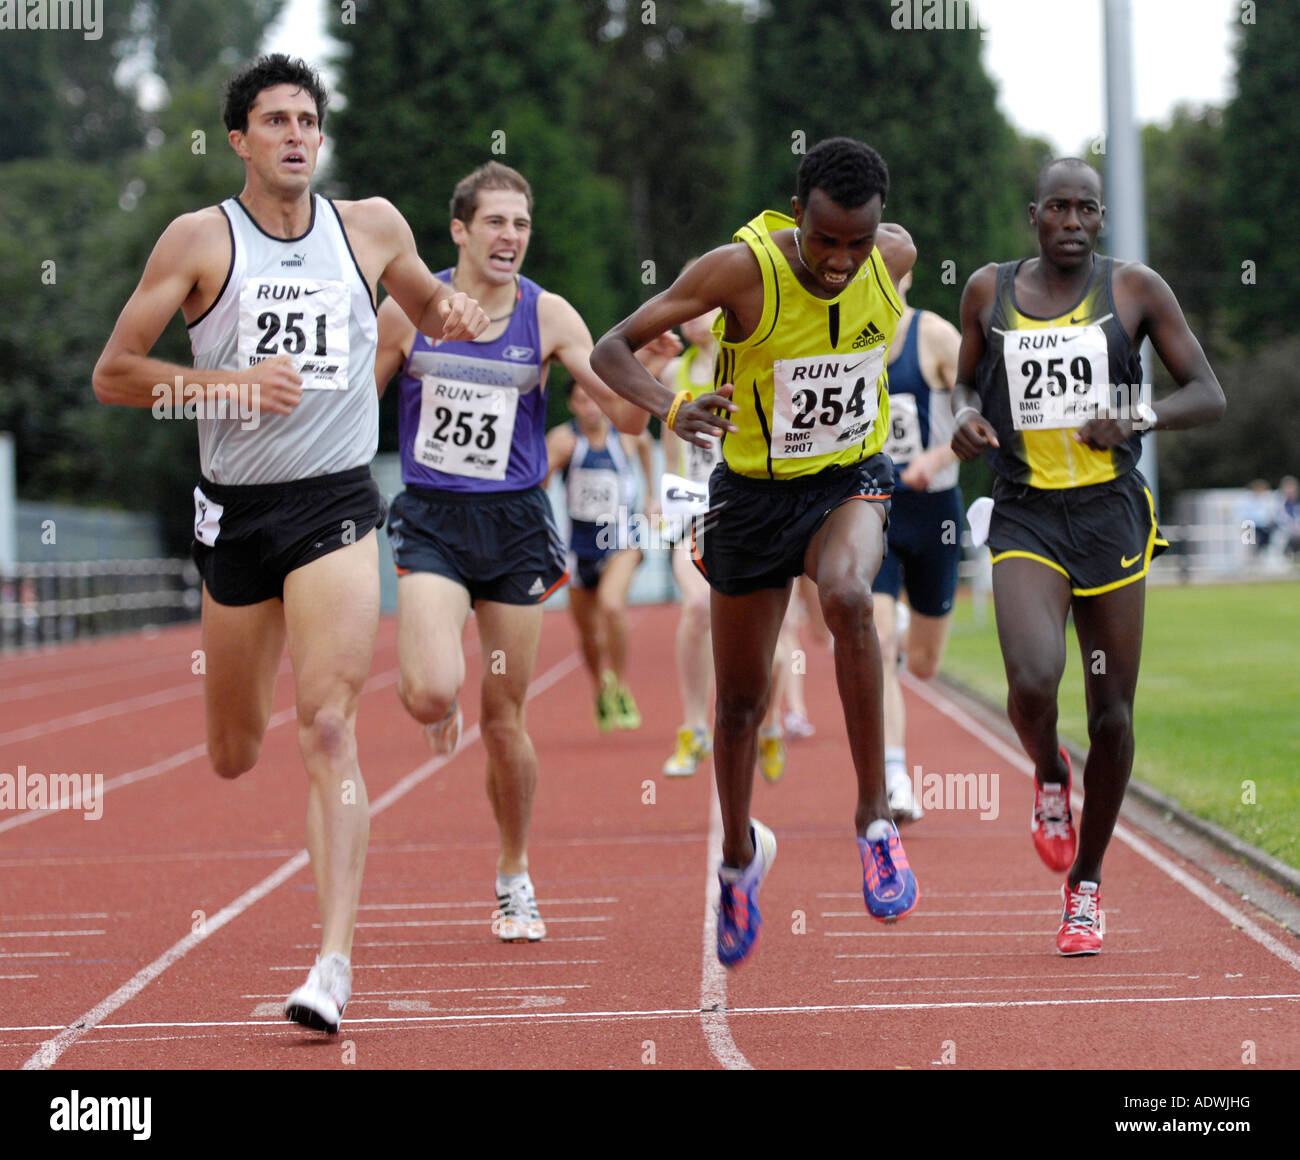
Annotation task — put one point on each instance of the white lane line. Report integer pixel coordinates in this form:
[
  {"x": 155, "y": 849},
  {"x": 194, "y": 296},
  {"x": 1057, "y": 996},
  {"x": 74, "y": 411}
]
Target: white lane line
[
  {"x": 47, "y": 917},
  {"x": 19, "y": 976},
  {"x": 185, "y": 756},
  {"x": 950, "y": 933},
  {"x": 993, "y": 954},
  {"x": 676, "y": 1013},
  {"x": 515, "y": 990},
  {"x": 503, "y": 963},
  {"x": 477, "y": 904},
  {"x": 449, "y": 942},
  {"x": 550, "y": 918},
  {"x": 35, "y": 954},
  {"x": 1038, "y": 979},
  {"x": 46, "y": 933},
  {"x": 89, "y": 716},
  {"x": 713, "y": 975},
  {"x": 1247, "y": 926},
  {"x": 1089, "y": 987},
  {"x": 1055, "y": 910},
  {"x": 961, "y": 894},
  {"x": 49, "y": 1052}
]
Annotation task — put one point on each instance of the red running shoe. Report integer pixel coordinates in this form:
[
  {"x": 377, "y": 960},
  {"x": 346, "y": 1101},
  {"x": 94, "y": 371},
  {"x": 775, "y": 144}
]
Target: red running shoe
[
  {"x": 1082, "y": 922},
  {"x": 1052, "y": 825}
]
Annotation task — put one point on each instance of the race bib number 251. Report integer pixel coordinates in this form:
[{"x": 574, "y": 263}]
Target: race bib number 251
[{"x": 305, "y": 318}]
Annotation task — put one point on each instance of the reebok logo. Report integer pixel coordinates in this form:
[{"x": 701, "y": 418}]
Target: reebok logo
[{"x": 869, "y": 337}]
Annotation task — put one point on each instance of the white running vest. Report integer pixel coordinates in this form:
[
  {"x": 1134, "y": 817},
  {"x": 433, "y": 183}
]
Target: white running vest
[{"x": 304, "y": 297}]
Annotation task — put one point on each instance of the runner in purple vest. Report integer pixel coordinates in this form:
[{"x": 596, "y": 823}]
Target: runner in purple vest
[{"x": 474, "y": 527}]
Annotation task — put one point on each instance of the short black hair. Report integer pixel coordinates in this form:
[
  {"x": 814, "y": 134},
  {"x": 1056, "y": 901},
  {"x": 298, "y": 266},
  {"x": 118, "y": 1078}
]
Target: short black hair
[
  {"x": 265, "y": 73},
  {"x": 1045, "y": 173},
  {"x": 849, "y": 172}
]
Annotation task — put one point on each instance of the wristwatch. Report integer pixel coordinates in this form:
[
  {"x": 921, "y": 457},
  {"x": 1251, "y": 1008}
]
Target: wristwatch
[{"x": 1144, "y": 417}]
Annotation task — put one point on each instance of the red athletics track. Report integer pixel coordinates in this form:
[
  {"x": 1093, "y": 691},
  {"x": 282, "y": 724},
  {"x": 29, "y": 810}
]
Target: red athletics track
[{"x": 166, "y": 934}]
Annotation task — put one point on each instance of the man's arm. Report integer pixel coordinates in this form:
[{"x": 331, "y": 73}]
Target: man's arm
[
  {"x": 567, "y": 338},
  {"x": 433, "y": 308},
  {"x": 896, "y": 249},
  {"x": 940, "y": 347},
  {"x": 719, "y": 278},
  {"x": 396, "y": 337},
  {"x": 194, "y": 244},
  {"x": 972, "y": 432},
  {"x": 560, "y": 442},
  {"x": 1199, "y": 398}
]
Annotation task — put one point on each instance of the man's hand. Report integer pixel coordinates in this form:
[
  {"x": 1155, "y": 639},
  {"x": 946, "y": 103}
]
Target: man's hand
[
  {"x": 276, "y": 385},
  {"x": 463, "y": 318},
  {"x": 1103, "y": 434},
  {"x": 696, "y": 421},
  {"x": 973, "y": 435},
  {"x": 659, "y": 352}
]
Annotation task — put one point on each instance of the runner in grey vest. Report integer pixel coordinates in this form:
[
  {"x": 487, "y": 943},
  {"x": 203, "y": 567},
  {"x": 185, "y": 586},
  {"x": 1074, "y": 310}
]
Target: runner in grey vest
[{"x": 277, "y": 288}]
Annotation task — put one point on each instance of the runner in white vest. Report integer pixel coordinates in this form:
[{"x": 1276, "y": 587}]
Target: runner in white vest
[{"x": 277, "y": 287}]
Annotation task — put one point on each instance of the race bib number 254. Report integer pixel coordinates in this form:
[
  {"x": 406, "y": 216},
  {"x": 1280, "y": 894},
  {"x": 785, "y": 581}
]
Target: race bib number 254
[{"x": 824, "y": 403}]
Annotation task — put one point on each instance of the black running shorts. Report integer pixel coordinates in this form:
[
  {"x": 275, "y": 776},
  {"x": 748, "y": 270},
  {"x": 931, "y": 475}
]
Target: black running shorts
[
  {"x": 1099, "y": 537},
  {"x": 756, "y": 531},
  {"x": 248, "y": 538},
  {"x": 499, "y": 546}
]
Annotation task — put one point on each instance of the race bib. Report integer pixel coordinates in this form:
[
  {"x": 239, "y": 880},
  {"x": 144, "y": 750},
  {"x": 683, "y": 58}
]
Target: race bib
[
  {"x": 904, "y": 443},
  {"x": 207, "y": 518},
  {"x": 1058, "y": 377},
  {"x": 593, "y": 494},
  {"x": 824, "y": 403},
  {"x": 698, "y": 462},
  {"x": 305, "y": 318},
  {"x": 465, "y": 429},
  {"x": 683, "y": 497}
]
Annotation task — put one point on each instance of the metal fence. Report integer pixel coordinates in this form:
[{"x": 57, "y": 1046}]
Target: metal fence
[{"x": 56, "y": 602}]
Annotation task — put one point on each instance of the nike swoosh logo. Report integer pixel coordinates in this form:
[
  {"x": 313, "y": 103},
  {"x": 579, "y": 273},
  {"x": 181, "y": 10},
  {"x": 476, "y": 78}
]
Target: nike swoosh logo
[
  {"x": 316, "y": 291},
  {"x": 854, "y": 367},
  {"x": 1077, "y": 321},
  {"x": 1125, "y": 562}
]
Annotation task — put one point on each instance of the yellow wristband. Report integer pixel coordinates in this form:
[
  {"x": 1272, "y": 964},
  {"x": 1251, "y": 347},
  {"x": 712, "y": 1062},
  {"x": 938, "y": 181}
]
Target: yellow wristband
[{"x": 681, "y": 397}]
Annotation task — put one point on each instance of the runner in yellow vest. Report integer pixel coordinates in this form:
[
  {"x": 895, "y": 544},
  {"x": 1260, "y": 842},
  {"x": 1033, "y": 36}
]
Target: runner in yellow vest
[{"x": 809, "y": 306}]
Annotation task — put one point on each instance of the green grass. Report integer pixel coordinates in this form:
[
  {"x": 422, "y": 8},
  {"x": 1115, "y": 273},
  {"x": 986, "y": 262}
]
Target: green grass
[{"x": 1218, "y": 702}]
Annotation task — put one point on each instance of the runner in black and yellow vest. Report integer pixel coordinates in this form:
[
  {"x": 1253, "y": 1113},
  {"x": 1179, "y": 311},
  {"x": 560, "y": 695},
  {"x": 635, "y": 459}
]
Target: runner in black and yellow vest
[
  {"x": 1047, "y": 386},
  {"x": 801, "y": 404}
]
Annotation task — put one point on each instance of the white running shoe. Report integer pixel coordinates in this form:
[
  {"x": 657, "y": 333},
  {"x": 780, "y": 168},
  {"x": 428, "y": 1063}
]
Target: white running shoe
[
  {"x": 320, "y": 1001},
  {"x": 902, "y": 800},
  {"x": 516, "y": 918}
]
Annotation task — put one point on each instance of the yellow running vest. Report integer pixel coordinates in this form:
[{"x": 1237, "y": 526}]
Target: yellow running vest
[{"x": 811, "y": 381}]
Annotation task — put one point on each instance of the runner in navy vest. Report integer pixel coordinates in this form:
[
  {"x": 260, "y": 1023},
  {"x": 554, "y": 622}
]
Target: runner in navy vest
[
  {"x": 277, "y": 287},
  {"x": 924, "y": 534},
  {"x": 602, "y": 495},
  {"x": 473, "y": 527}
]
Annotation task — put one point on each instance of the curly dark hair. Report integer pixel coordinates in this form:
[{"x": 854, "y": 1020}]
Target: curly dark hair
[
  {"x": 264, "y": 73},
  {"x": 849, "y": 172}
]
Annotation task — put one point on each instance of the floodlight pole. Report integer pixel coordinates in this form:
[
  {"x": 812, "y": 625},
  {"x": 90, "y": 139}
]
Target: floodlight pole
[{"x": 1125, "y": 199}]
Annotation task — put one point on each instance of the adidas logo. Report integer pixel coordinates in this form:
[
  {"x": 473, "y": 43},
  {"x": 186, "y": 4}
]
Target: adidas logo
[
  {"x": 869, "y": 337},
  {"x": 538, "y": 587}
]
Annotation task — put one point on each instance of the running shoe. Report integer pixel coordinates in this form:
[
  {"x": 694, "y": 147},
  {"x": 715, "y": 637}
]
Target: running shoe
[
  {"x": 797, "y": 726},
  {"x": 1082, "y": 922},
  {"x": 888, "y": 884},
  {"x": 692, "y": 745},
  {"x": 626, "y": 714},
  {"x": 738, "y": 918},
  {"x": 771, "y": 754},
  {"x": 902, "y": 799},
  {"x": 444, "y": 735},
  {"x": 516, "y": 918},
  {"x": 320, "y": 1001},
  {"x": 606, "y": 705},
  {"x": 1052, "y": 824}
]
